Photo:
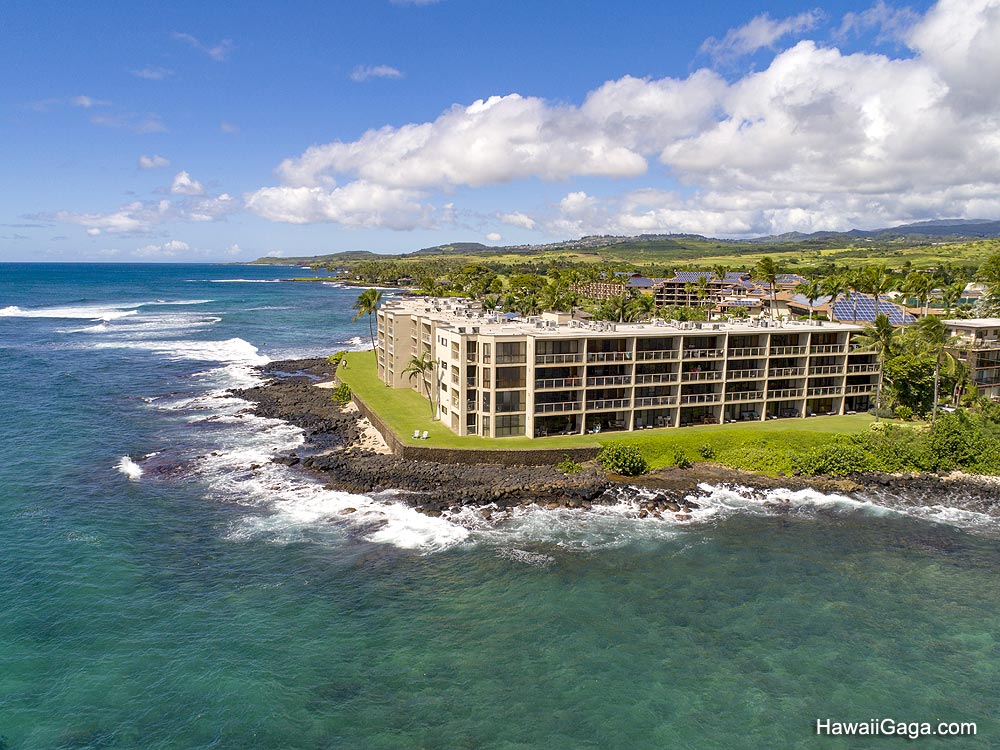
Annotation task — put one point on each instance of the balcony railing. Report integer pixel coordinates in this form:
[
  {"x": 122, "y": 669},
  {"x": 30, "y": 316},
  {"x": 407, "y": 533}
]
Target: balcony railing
[
  {"x": 826, "y": 370},
  {"x": 787, "y": 351},
  {"x": 744, "y": 374},
  {"x": 786, "y": 393},
  {"x": 826, "y": 390},
  {"x": 853, "y": 390},
  {"x": 560, "y": 406},
  {"x": 656, "y": 377},
  {"x": 827, "y": 349},
  {"x": 866, "y": 368},
  {"x": 503, "y": 408},
  {"x": 701, "y": 398},
  {"x": 470, "y": 406},
  {"x": 748, "y": 351},
  {"x": 657, "y": 354},
  {"x": 786, "y": 372},
  {"x": 702, "y": 353},
  {"x": 470, "y": 382},
  {"x": 690, "y": 377},
  {"x": 608, "y": 356},
  {"x": 745, "y": 396},
  {"x": 558, "y": 359},
  {"x": 609, "y": 380},
  {"x": 609, "y": 403},
  {"x": 511, "y": 359},
  {"x": 655, "y": 401},
  {"x": 558, "y": 383}
]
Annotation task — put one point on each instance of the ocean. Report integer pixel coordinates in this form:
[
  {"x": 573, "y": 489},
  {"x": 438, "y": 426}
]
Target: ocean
[{"x": 222, "y": 601}]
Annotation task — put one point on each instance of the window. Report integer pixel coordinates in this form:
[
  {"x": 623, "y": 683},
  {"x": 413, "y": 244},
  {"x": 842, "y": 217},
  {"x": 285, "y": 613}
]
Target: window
[
  {"x": 511, "y": 352},
  {"x": 508, "y": 426},
  {"x": 510, "y": 401},
  {"x": 510, "y": 377},
  {"x": 486, "y": 401}
]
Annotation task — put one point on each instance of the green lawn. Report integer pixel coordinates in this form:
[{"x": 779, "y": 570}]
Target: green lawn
[{"x": 758, "y": 446}]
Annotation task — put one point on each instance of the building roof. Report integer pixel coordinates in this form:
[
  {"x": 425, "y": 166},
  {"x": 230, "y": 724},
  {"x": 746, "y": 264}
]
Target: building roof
[
  {"x": 974, "y": 323},
  {"x": 843, "y": 309}
]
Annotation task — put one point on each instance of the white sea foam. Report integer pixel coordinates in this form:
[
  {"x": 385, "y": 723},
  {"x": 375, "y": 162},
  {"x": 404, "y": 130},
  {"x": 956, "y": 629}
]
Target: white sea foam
[
  {"x": 129, "y": 468},
  {"x": 356, "y": 344},
  {"x": 245, "y": 281},
  {"x": 85, "y": 312},
  {"x": 230, "y": 350},
  {"x": 177, "y": 302}
]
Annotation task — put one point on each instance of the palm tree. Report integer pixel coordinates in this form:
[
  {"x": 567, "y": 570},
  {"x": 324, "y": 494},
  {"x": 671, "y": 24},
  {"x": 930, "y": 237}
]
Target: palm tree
[
  {"x": 950, "y": 295},
  {"x": 419, "y": 367},
  {"x": 689, "y": 290},
  {"x": 876, "y": 281},
  {"x": 834, "y": 286},
  {"x": 920, "y": 285},
  {"x": 766, "y": 270},
  {"x": 878, "y": 337},
  {"x": 702, "y": 292},
  {"x": 367, "y": 304},
  {"x": 812, "y": 291},
  {"x": 933, "y": 334},
  {"x": 639, "y": 307}
]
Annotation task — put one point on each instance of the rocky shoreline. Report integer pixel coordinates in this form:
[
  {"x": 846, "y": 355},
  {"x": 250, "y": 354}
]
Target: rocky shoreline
[{"x": 337, "y": 454}]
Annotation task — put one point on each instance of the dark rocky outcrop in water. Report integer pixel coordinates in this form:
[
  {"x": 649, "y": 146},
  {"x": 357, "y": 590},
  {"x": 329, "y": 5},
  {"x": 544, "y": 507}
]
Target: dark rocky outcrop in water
[{"x": 331, "y": 453}]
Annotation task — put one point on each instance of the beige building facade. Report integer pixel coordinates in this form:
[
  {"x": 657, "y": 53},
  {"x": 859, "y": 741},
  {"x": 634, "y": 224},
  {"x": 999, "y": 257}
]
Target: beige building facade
[
  {"x": 977, "y": 344},
  {"x": 551, "y": 375}
]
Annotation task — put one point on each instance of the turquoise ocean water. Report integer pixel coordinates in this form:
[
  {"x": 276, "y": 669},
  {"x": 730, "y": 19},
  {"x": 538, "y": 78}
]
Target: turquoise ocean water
[{"x": 217, "y": 605}]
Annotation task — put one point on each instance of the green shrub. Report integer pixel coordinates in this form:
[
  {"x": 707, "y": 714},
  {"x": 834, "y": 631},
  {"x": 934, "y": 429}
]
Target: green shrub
[
  {"x": 835, "y": 459},
  {"x": 622, "y": 458},
  {"x": 681, "y": 460},
  {"x": 568, "y": 466},
  {"x": 706, "y": 451},
  {"x": 903, "y": 412},
  {"x": 342, "y": 393}
]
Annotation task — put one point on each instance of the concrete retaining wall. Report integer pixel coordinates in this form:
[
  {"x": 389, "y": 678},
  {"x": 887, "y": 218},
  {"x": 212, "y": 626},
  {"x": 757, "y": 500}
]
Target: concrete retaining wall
[{"x": 524, "y": 457}]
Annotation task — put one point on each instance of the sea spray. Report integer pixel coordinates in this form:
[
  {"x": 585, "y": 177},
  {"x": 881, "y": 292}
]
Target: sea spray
[{"x": 130, "y": 469}]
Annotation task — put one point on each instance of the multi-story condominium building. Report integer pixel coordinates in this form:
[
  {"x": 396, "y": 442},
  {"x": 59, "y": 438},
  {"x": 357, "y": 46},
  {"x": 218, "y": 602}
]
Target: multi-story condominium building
[
  {"x": 497, "y": 375},
  {"x": 977, "y": 344}
]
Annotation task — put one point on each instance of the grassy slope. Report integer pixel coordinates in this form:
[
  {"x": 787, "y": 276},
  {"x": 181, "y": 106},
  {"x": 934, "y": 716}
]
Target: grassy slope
[
  {"x": 701, "y": 253},
  {"x": 766, "y": 447}
]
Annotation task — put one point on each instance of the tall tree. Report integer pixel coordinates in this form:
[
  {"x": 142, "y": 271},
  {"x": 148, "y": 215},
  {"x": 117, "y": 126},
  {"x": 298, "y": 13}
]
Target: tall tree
[
  {"x": 876, "y": 281},
  {"x": 812, "y": 291},
  {"x": 879, "y": 337},
  {"x": 932, "y": 333},
  {"x": 703, "y": 291},
  {"x": 767, "y": 271},
  {"x": 367, "y": 304},
  {"x": 834, "y": 286},
  {"x": 950, "y": 296},
  {"x": 920, "y": 285},
  {"x": 421, "y": 367}
]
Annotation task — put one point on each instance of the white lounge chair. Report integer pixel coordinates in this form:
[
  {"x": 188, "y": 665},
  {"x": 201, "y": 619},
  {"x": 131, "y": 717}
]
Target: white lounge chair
[
  {"x": 424, "y": 436},
  {"x": 416, "y": 434}
]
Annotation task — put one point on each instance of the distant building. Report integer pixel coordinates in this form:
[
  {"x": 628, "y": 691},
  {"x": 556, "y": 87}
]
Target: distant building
[
  {"x": 497, "y": 376},
  {"x": 978, "y": 346}
]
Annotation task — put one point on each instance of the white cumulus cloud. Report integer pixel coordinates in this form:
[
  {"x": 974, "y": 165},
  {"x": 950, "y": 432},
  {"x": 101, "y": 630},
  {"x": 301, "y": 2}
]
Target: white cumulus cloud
[
  {"x": 761, "y": 32},
  {"x": 494, "y": 237},
  {"x": 153, "y": 162},
  {"x": 365, "y": 72},
  {"x": 517, "y": 219},
  {"x": 184, "y": 185}
]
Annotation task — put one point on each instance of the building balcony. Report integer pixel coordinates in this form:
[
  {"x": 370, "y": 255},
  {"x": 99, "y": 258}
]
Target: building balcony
[
  {"x": 557, "y": 407},
  {"x": 511, "y": 359},
  {"x": 701, "y": 398},
  {"x": 788, "y": 351},
  {"x": 657, "y": 354},
  {"x": 787, "y": 393},
  {"x": 559, "y": 359},
  {"x": 609, "y": 380},
  {"x": 826, "y": 370},
  {"x": 827, "y": 349},
  {"x": 748, "y": 351},
  {"x": 703, "y": 353},
  {"x": 745, "y": 396},
  {"x": 609, "y": 403},
  {"x": 609, "y": 356},
  {"x": 786, "y": 372},
  {"x": 866, "y": 368},
  {"x": 827, "y": 390},
  {"x": 558, "y": 384},
  {"x": 854, "y": 390},
  {"x": 708, "y": 375},
  {"x": 656, "y": 377},
  {"x": 655, "y": 401},
  {"x": 744, "y": 374}
]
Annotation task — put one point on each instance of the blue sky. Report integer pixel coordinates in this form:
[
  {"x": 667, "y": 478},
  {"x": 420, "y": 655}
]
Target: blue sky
[{"x": 182, "y": 131}]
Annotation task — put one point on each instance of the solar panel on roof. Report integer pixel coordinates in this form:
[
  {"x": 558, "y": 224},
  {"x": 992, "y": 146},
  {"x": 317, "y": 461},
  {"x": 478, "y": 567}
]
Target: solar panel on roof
[{"x": 844, "y": 309}]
